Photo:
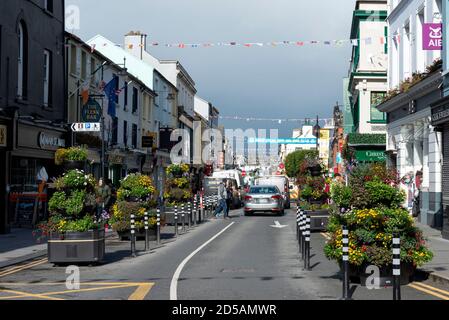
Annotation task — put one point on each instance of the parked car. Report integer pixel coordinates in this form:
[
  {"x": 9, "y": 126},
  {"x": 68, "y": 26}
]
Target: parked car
[
  {"x": 264, "y": 199},
  {"x": 282, "y": 183},
  {"x": 211, "y": 188}
]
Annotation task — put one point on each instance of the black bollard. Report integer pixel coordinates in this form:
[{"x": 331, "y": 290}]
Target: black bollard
[
  {"x": 189, "y": 215},
  {"x": 300, "y": 233},
  {"x": 183, "y": 218},
  {"x": 297, "y": 224},
  {"x": 345, "y": 242},
  {"x": 396, "y": 267},
  {"x": 158, "y": 226},
  {"x": 176, "y": 221},
  {"x": 194, "y": 211},
  {"x": 307, "y": 244},
  {"x": 147, "y": 235},
  {"x": 133, "y": 236}
]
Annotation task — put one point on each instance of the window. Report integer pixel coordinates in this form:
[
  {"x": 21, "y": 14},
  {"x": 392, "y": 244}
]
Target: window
[
  {"x": 22, "y": 66},
  {"x": 135, "y": 99},
  {"x": 83, "y": 65},
  {"x": 406, "y": 59},
  {"x": 73, "y": 59},
  {"x": 420, "y": 53},
  {"x": 48, "y": 5},
  {"x": 92, "y": 67},
  {"x": 376, "y": 99},
  {"x": 156, "y": 88},
  {"x": 114, "y": 130},
  {"x": 134, "y": 136},
  {"x": 125, "y": 133},
  {"x": 125, "y": 99},
  {"x": 47, "y": 77}
]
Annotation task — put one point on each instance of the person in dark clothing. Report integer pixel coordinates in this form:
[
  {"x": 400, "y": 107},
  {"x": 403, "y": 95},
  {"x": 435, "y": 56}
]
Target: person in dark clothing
[{"x": 228, "y": 199}]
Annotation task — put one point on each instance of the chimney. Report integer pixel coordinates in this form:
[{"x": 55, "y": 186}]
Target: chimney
[{"x": 136, "y": 43}]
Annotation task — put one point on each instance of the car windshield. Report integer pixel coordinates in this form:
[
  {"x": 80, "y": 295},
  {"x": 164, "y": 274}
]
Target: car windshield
[{"x": 264, "y": 190}]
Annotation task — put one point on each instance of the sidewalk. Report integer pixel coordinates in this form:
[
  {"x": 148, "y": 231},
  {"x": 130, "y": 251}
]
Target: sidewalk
[{"x": 438, "y": 268}]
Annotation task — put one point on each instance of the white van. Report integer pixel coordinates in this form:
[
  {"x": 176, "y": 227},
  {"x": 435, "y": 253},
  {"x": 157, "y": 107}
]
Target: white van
[
  {"x": 230, "y": 174},
  {"x": 282, "y": 182}
]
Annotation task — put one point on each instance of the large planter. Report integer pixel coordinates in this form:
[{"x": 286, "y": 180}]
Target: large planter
[
  {"x": 125, "y": 235},
  {"x": 359, "y": 275},
  {"x": 318, "y": 219},
  {"x": 315, "y": 171},
  {"x": 73, "y": 165},
  {"x": 76, "y": 247}
]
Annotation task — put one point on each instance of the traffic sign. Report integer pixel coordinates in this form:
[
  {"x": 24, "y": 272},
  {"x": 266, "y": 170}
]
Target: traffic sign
[{"x": 86, "y": 127}]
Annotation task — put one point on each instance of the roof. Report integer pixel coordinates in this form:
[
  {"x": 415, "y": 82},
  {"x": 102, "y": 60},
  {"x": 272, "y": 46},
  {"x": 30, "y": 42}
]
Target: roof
[{"x": 135, "y": 66}]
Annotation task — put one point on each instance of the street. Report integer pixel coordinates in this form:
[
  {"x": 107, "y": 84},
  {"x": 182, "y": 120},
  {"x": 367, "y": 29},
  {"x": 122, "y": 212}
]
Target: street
[{"x": 243, "y": 258}]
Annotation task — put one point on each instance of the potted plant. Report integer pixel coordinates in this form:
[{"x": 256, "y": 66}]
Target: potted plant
[
  {"x": 371, "y": 208},
  {"x": 75, "y": 234},
  {"x": 134, "y": 197},
  {"x": 71, "y": 158},
  {"x": 177, "y": 191}
]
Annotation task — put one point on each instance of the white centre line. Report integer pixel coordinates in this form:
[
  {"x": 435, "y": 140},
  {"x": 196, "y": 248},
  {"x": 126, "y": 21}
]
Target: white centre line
[{"x": 174, "y": 281}]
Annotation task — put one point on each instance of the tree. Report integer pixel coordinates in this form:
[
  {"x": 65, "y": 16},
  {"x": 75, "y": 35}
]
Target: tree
[{"x": 294, "y": 160}]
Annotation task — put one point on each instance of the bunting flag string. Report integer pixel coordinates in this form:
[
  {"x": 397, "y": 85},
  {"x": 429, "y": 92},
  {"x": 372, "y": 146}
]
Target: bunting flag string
[{"x": 294, "y": 43}]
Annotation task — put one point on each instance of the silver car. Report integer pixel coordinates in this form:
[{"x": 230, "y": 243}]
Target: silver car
[{"x": 264, "y": 199}]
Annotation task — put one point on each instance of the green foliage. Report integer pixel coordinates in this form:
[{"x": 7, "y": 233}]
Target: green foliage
[
  {"x": 56, "y": 202},
  {"x": 74, "y": 204},
  {"x": 366, "y": 138},
  {"x": 341, "y": 195},
  {"x": 80, "y": 225},
  {"x": 70, "y": 154},
  {"x": 75, "y": 179},
  {"x": 381, "y": 194},
  {"x": 294, "y": 160},
  {"x": 136, "y": 185}
]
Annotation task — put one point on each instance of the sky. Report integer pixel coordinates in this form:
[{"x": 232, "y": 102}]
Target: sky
[{"x": 267, "y": 82}]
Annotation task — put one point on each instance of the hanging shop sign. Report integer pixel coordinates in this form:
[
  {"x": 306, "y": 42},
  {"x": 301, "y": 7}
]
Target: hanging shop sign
[
  {"x": 3, "y": 135},
  {"x": 91, "y": 111},
  {"x": 432, "y": 36}
]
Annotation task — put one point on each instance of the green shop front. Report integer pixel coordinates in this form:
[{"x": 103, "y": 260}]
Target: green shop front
[{"x": 365, "y": 148}]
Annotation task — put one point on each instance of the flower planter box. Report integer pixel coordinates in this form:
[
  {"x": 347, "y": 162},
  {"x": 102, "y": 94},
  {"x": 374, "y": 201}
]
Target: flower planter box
[
  {"x": 140, "y": 235},
  {"x": 168, "y": 215},
  {"x": 318, "y": 219},
  {"x": 76, "y": 247},
  {"x": 358, "y": 274}
]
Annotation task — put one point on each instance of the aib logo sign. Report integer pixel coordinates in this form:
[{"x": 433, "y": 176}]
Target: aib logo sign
[{"x": 432, "y": 36}]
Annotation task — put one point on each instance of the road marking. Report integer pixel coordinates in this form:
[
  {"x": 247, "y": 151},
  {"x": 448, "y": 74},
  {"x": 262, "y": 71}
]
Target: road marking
[
  {"x": 141, "y": 291},
  {"x": 432, "y": 288},
  {"x": 139, "y": 294},
  {"x": 326, "y": 235},
  {"x": 174, "y": 281},
  {"x": 419, "y": 288},
  {"x": 278, "y": 225},
  {"x": 22, "y": 267}
]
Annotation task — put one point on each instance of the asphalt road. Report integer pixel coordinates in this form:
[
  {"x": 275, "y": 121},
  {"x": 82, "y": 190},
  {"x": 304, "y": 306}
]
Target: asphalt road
[{"x": 243, "y": 258}]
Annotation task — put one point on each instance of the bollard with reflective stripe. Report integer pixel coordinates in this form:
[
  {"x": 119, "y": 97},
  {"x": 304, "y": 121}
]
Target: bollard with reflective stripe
[
  {"x": 158, "y": 226},
  {"x": 345, "y": 242},
  {"x": 133, "y": 236},
  {"x": 147, "y": 235},
  {"x": 307, "y": 244},
  {"x": 297, "y": 224},
  {"x": 189, "y": 215},
  {"x": 183, "y": 218},
  {"x": 176, "y": 221},
  {"x": 396, "y": 267},
  {"x": 300, "y": 224},
  {"x": 194, "y": 211},
  {"x": 303, "y": 234}
]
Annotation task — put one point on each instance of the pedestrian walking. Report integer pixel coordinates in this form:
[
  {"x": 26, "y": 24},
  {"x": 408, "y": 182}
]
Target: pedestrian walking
[
  {"x": 229, "y": 193},
  {"x": 222, "y": 195}
]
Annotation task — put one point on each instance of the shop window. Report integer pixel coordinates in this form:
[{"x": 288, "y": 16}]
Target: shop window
[
  {"x": 125, "y": 133},
  {"x": 114, "y": 130},
  {"x": 134, "y": 136},
  {"x": 135, "y": 100}
]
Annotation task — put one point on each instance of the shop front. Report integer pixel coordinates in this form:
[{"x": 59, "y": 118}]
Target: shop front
[
  {"x": 440, "y": 120},
  {"x": 31, "y": 171},
  {"x": 116, "y": 166}
]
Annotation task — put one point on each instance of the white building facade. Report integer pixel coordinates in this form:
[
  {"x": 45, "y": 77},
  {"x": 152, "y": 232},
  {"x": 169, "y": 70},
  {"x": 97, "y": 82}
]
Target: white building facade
[{"x": 413, "y": 146}]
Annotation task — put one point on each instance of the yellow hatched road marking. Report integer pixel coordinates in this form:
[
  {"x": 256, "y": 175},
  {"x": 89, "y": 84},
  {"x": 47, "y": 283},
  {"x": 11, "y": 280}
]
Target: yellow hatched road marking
[
  {"x": 419, "y": 288},
  {"x": 23, "y": 267},
  {"x": 325, "y": 235},
  {"x": 143, "y": 288},
  {"x": 432, "y": 288}
]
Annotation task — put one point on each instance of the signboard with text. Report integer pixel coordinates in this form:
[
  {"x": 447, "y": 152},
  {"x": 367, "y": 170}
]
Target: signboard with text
[
  {"x": 432, "y": 36},
  {"x": 86, "y": 127},
  {"x": 91, "y": 111}
]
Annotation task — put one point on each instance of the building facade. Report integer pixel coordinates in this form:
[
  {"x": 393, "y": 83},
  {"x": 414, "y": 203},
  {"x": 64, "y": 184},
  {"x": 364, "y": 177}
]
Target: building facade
[
  {"x": 414, "y": 79},
  {"x": 32, "y": 100}
]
